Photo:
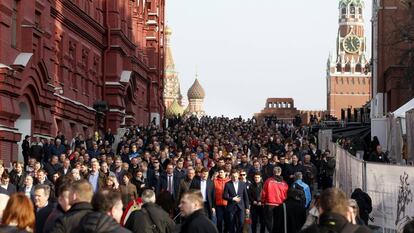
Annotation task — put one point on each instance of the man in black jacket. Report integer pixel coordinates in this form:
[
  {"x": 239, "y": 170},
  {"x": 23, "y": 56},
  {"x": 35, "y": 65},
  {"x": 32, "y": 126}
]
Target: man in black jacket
[
  {"x": 195, "y": 220},
  {"x": 149, "y": 217},
  {"x": 255, "y": 195},
  {"x": 206, "y": 187},
  {"x": 235, "y": 193},
  {"x": 107, "y": 215},
  {"x": 80, "y": 197},
  {"x": 17, "y": 176},
  {"x": 43, "y": 206},
  {"x": 335, "y": 214},
  {"x": 26, "y": 149},
  {"x": 295, "y": 215}
]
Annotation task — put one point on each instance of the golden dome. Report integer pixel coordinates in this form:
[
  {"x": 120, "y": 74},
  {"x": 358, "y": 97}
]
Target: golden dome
[
  {"x": 174, "y": 110},
  {"x": 196, "y": 91}
]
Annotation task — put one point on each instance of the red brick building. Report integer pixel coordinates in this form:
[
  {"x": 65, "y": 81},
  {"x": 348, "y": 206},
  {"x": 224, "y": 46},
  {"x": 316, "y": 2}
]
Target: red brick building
[
  {"x": 284, "y": 109},
  {"x": 348, "y": 77},
  {"x": 393, "y": 37},
  {"x": 64, "y": 61}
]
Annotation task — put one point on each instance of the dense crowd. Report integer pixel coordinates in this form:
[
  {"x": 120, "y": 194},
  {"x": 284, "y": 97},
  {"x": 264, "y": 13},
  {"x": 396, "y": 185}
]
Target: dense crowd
[{"x": 197, "y": 175}]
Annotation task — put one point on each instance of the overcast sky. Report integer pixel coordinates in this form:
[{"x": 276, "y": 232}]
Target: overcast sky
[{"x": 246, "y": 51}]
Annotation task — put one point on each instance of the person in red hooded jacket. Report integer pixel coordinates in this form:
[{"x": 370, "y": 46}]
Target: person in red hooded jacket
[{"x": 274, "y": 194}]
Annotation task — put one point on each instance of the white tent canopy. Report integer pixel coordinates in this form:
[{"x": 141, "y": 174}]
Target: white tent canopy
[{"x": 403, "y": 109}]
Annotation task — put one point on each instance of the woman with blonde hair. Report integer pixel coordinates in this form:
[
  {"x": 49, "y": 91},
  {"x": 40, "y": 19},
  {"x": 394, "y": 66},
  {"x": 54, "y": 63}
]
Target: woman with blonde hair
[{"x": 19, "y": 215}]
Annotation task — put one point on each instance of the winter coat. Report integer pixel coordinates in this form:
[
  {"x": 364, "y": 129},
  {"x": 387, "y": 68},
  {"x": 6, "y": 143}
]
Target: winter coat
[
  {"x": 335, "y": 223},
  {"x": 98, "y": 222},
  {"x": 142, "y": 221},
  {"x": 274, "y": 191},
  {"x": 295, "y": 217},
  {"x": 219, "y": 189},
  {"x": 198, "y": 222},
  {"x": 70, "y": 222}
]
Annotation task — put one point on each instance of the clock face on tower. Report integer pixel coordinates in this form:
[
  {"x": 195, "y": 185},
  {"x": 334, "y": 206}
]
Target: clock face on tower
[{"x": 351, "y": 43}]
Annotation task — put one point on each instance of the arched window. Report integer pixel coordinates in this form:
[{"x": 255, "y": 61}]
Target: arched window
[
  {"x": 352, "y": 9},
  {"x": 360, "y": 10},
  {"x": 343, "y": 10}
]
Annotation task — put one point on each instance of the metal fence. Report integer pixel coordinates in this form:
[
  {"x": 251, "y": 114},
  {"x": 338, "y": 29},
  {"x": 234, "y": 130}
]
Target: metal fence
[{"x": 390, "y": 187}]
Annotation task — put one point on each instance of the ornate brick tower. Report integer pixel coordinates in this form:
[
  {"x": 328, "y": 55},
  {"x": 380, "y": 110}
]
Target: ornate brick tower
[
  {"x": 171, "y": 81},
  {"x": 348, "y": 76}
]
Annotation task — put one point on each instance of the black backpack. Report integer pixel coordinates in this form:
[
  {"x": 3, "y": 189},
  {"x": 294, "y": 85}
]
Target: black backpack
[{"x": 300, "y": 194}]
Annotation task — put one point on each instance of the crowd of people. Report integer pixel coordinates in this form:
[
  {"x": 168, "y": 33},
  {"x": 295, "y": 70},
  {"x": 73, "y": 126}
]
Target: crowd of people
[{"x": 198, "y": 175}]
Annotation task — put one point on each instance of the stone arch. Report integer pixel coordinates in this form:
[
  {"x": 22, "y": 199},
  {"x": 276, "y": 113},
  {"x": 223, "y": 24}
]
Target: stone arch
[{"x": 24, "y": 123}]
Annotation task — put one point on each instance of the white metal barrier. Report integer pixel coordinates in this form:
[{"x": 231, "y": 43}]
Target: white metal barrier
[{"x": 391, "y": 188}]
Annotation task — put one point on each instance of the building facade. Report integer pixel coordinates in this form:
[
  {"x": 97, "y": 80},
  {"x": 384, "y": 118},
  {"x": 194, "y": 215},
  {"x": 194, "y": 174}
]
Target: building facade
[
  {"x": 284, "y": 109},
  {"x": 393, "y": 62},
  {"x": 348, "y": 76},
  {"x": 78, "y": 66}
]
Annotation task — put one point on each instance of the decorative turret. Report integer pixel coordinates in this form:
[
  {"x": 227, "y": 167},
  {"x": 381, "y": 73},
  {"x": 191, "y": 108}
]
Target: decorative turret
[
  {"x": 174, "y": 110},
  {"x": 172, "y": 90},
  {"x": 196, "y": 97},
  {"x": 196, "y": 91},
  {"x": 357, "y": 3}
]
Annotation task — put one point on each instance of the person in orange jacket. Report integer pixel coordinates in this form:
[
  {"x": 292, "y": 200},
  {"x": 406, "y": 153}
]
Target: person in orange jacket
[{"x": 219, "y": 183}]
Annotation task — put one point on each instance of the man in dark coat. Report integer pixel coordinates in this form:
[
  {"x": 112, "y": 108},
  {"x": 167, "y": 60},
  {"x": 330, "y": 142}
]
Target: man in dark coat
[
  {"x": 235, "y": 193},
  {"x": 17, "y": 176},
  {"x": 334, "y": 212},
  {"x": 80, "y": 195},
  {"x": 255, "y": 195},
  {"x": 295, "y": 214},
  {"x": 6, "y": 187},
  {"x": 43, "y": 206},
  {"x": 36, "y": 150},
  {"x": 26, "y": 149},
  {"x": 169, "y": 182},
  {"x": 195, "y": 219},
  {"x": 150, "y": 215},
  {"x": 107, "y": 215},
  {"x": 206, "y": 186},
  {"x": 62, "y": 206}
]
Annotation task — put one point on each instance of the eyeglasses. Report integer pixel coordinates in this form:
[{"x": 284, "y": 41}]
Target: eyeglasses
[{"x": 243, "y": 174}]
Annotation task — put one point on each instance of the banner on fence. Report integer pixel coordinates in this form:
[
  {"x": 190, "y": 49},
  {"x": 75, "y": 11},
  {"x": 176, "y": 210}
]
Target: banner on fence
[
  {"x": 324, "y": 139},
  {"x": 391, "y": 190},
  {"x": 350, "y": 171}
]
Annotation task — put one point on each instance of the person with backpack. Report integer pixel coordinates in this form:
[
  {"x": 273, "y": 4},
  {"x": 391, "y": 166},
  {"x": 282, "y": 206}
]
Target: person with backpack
[
  {"x": 336, "y": 216},
  {"x": 291, "y": 215},
  {"x": 151, "y": 218},
  {"x": 304, "y": 193}
]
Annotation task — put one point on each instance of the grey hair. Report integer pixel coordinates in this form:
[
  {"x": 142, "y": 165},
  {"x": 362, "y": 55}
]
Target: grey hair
[
  {"x": 298, "y": 176},
  {"x": 277, "y": 171},
  {"x": 148, "y": 196},
  {"x": 45, "y": 187}
]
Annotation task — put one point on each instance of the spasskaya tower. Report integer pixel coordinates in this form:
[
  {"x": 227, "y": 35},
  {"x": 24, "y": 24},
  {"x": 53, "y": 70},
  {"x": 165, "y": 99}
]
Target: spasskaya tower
[{"x": 348, "y": 76}]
